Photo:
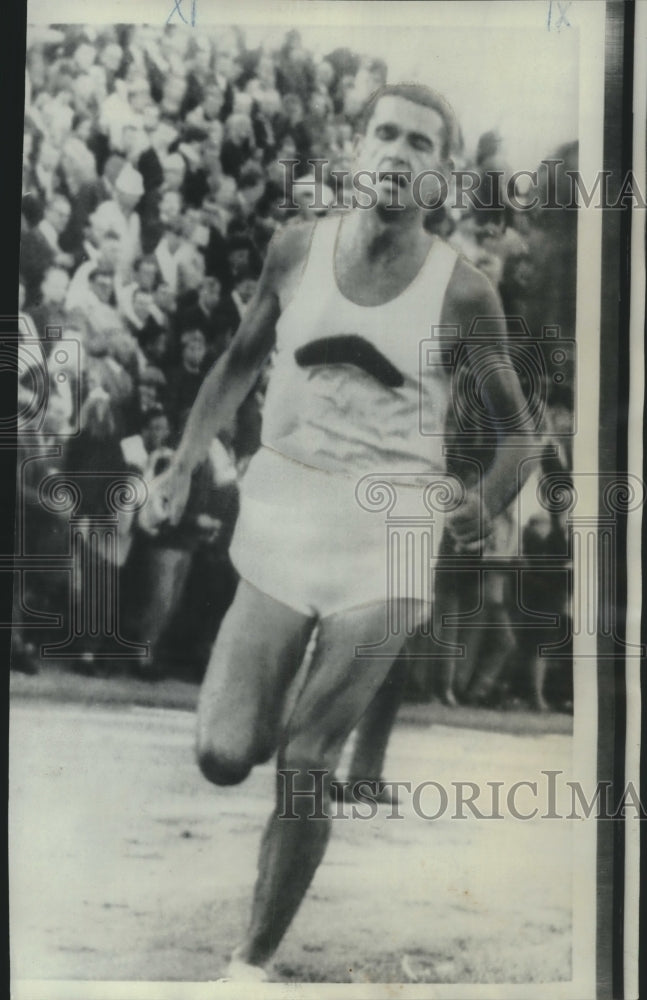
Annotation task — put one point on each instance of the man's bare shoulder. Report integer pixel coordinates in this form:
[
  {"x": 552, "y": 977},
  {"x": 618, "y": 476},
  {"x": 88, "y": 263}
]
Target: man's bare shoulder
[
  {"x": 289, "y": 247},
  {"x": 469, "y": 294}
]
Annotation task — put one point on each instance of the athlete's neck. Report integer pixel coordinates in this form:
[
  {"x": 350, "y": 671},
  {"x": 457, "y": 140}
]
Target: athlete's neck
[{"x": 377, "y": 237}]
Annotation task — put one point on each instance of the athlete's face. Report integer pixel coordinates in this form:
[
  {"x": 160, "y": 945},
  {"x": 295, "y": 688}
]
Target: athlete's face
[{"x": 401, "y": 136}]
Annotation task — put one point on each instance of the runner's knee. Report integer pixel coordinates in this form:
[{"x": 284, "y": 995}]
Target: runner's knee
[{"x": 223, "y": 765}]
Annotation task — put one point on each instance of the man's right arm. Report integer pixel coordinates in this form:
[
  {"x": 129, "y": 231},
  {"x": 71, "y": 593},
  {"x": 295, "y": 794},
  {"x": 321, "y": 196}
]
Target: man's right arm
[{"x": 229, "y": 381}]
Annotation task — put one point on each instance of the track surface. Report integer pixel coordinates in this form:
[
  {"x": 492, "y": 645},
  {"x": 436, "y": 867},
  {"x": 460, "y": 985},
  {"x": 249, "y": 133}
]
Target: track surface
[{"x": 127, "y": 865}]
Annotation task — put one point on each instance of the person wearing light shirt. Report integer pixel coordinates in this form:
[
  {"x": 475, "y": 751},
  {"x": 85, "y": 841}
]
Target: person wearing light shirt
[{"x": 119, "y": 215}]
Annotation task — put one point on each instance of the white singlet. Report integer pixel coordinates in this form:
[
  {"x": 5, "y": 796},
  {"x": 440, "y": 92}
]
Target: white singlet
[{"x": 343, "y": 401}]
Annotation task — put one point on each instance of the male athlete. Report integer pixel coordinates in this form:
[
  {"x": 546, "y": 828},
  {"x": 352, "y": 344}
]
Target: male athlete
[{"x": 344, "y": 302}]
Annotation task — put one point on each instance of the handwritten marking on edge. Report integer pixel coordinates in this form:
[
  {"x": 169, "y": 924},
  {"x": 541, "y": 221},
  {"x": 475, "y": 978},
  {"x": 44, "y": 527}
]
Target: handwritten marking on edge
[
  {"x": 177, "y": 9},
  {"x": 562, "y": 8}
]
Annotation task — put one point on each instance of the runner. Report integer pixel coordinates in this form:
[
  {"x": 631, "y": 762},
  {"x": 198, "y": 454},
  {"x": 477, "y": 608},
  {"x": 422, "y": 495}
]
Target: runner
[{"x": 345, "y": 301}]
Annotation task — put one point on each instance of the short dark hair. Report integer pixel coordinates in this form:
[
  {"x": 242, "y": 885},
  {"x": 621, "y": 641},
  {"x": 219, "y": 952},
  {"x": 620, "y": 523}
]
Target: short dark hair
[{"x": 417, "y": 93}]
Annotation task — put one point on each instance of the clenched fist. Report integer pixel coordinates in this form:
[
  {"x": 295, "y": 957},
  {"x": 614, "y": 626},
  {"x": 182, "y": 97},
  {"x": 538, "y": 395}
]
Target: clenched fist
[
  {"x": 167, "y": 497},
  {"x": 470, "y": 523}
]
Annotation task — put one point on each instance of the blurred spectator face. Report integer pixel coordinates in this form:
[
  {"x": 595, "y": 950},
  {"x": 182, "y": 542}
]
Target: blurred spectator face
[
  {"x": 215, "y": 132},
  {"x": 192, "y": 271},
  {"x": 123, "y": 347},
  {"x": 266, "y": 71},
  {"x": 238, "y": 128},
  {"x": 214, "y": 215},
  {"x": 194, "y": 349},
  {"x": 156, "y": 432},
  {"x": 190, "y": 220},
  {"x": 170, "y": 207},
  {"x": 227, "y": 194},
  {"x": 269, "y": 100},
  {"x": 324, "y": 74},
  {"x": 129, "y": 188},
  {"x": 276, "y": 174},
  {"x": 242, "y": 103},
  {"x": 48, "y": 157},
  {"x": 288, "y": 149},
  {"x": 127, "y": 200},
  {"x": 84, "y": 93},
  {"x": 203, "y": 56},
  {"x": 77, "y": 161},
  {"x": 57, "y": 214},
  {"x": 147, "y": 275},
  {"x": 320, "y": 105},
  {"x": 84, "y": 56},
  {"x": 210, "y": 292},
  {"x": 114, "y": 166},
  {"x": 239, "y": 262},
  {"x": 151, "y": 116},
  {"x": 213, "y": 101},
  {"x": 110, "y": 251},
  {"x": 179, "y": 40},
  {"x": 246, "y": 288},
  {"x": 147, "y": 397},
  {"x": 83, "y": 129},
  {"x": 228, "y": 64},
  {"x": 173, "y": 95},
  {"x": 211, "y": 155},
  {"x": 132, "y": 143},
  {"x": 102, "y": 285},
  {"x": 54, "y": 286},
  {"x": 165, "y": 297},
  {"x": 293, "y": 108},
  {"x": 139, "y": 95},
  {"x": 142, "y": 302},
  {"x": 36, "y": 67},
  {"x": 156, "y": 348},
  {"x": 345, "y": 132},
  {"x": 162, "y": 137},
  {"x": 174, "y": 171},
  {"x": 111, "y": 57}
]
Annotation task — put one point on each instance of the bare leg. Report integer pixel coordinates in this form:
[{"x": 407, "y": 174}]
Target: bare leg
[
  {"x": 374, "y": 728},
  {"x": 257, "y": 653},
  {"x": 336, "y": 693}
]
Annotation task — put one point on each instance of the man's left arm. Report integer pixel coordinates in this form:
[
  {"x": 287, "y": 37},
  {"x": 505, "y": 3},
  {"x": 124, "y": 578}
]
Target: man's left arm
[{"x": 471, "y": 297}]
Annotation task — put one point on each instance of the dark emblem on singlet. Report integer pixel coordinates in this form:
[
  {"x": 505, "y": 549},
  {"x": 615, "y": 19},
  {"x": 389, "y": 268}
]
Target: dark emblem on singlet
[{"x": 349, "y": 349}]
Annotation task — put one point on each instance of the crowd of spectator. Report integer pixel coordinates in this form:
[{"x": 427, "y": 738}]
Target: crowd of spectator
[{"x": 152, "y": 184}]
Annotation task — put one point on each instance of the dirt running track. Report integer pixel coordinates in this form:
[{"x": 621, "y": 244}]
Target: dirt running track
[{"x": 127, "y": 865}]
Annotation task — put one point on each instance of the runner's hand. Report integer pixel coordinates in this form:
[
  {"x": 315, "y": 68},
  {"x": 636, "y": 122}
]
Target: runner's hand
[
  {"x": 470, "y": 523},
  {"x": 167, "y": 497}
]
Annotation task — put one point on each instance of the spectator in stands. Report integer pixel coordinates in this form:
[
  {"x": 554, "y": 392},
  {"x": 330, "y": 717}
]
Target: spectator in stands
[
  {"x": 141, "y": 451},
  {"x": 185, "y": 380},
  {"x": 238, "y": 146},
  {"x": 40, "y": 248},
  {"x": 106, "y": 256},
  {"x": 50, "y": 311},
  {"x": 118, "y": 215},
  {"x": 208, "y": 311}
]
